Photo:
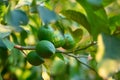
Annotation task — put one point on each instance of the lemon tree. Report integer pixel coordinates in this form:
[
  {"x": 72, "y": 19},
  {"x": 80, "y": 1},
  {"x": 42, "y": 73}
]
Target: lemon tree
[{"x": 72, "y": 39}]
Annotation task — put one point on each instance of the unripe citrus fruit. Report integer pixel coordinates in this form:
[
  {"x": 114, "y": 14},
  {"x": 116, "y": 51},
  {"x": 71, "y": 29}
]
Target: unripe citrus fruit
[
  {"x": 34, "y": 59},
  {"x": 45, "y": 33},
  {"x": 58, "y": 39},
  {"x": 45, "y": 49},
  {"x": 69, "y": 41}
]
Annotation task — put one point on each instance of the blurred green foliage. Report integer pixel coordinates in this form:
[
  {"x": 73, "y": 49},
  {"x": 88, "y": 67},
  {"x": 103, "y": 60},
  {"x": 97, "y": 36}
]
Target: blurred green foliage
[{"x": 94, "y": 25}]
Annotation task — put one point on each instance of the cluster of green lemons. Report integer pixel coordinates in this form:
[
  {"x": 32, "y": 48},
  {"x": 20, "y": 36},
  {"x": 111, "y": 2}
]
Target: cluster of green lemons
[{"x": 49, "y": 40}]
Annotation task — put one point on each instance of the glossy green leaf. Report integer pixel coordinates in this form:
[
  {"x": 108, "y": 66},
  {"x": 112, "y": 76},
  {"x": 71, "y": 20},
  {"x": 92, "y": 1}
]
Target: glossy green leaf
[
  {"x": 15, "y": 18},
  {"x": 78, "y": 17},
  {"x": 108, "y": 54},
  {"x": 96, "y": 21},
  {"x": 47, "y": 15},
  {"x": 8, "y": 44}
]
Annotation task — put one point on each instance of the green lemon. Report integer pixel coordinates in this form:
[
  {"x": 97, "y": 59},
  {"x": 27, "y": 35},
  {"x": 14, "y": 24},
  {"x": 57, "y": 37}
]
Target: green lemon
[
  {"x": 45, "y": 49},
  {"x": 34, "y": 59},
  {"x": 45, "y": 33},
  {"x": 58, "y": 39},
  {"x": 69, "y": 41}
]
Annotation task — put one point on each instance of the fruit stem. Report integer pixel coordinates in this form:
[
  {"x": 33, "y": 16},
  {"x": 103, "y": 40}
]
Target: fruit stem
[{"x": 91, "y": 44}]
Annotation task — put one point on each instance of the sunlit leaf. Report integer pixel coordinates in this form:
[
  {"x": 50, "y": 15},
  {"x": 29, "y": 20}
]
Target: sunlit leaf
[
  {"x": 78, "y": 17},
  {"x": 8, "y": 44},
  {"x": 23, "y": 2},
  {"x": 96, "y": 21},
  {"x": 47, "y": 15},
  {"x": 108, "y": 54},
  {"x": 15, "y": 18},
  {"x": 2, "y": 9}
]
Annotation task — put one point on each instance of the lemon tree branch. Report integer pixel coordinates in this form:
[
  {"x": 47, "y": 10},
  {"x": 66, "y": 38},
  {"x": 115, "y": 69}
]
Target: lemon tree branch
[
  {"x": 74, "y": 56},
  {"x": 24, "y": 47}
]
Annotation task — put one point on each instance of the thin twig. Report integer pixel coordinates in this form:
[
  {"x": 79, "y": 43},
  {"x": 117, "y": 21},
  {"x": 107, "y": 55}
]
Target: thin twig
[
  {"x": 76, "y": 57},
  {"x": 92, "y": 43}
]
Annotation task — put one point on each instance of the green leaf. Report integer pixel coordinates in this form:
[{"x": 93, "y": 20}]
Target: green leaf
[
  {"x": 23, "y": 36},
  {"x": 4, "y": 34},
  {"x": 59, "y": 55},
  {"x": 96, "y": 21},
  {"x": 2, "y": 9},
  {"x": 77, "y": 34},
  {"x": 15, "y": 18},
  {"x": 33, "y": 7},
  {"x": 15, "y": 39},
  {"x": 8, "y": 44},
  {"x": 47, "y": 15},
  {"x": 78, "y": 17},
  {"x": 107, "y": 2},
  {"x": 2, "y": 44},
  {"x": 15, "y": 56},
  {"x": 108, "y": 54},
  {"x": 115, "y": 20},
  {"x": 58, "y": 67}
]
